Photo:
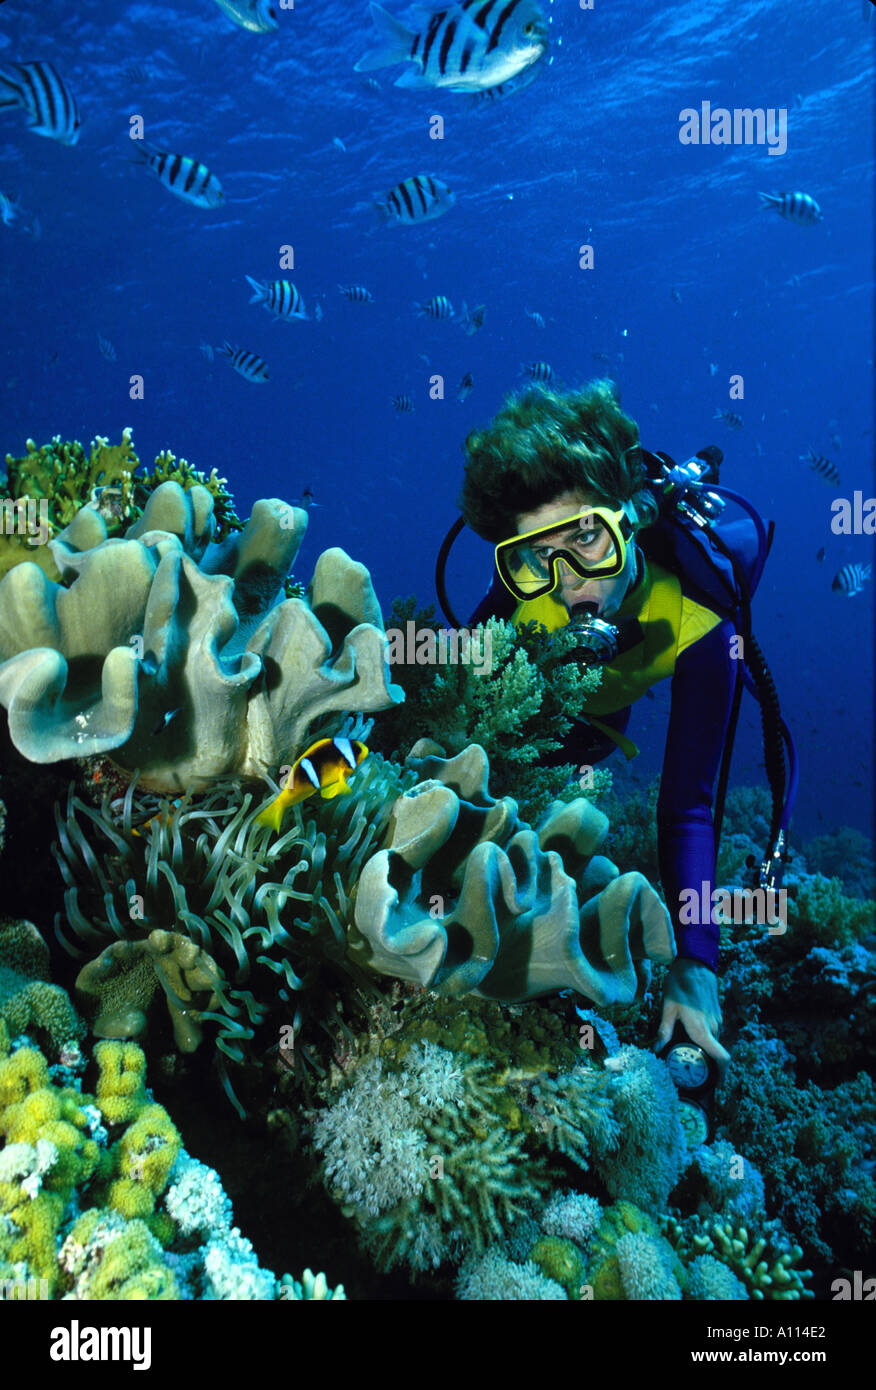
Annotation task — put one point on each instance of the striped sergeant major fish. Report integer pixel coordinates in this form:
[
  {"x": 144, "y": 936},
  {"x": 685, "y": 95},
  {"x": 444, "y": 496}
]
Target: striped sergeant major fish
[
  {"x": 279, "y": 297},
  {"x": 438, "y": 307},
  {"x": 822, "y": 466},
  {"x": 258, "y": 16},
  {"x": 187, "y": 178},
  {"x": 464, "y": 47},
  {"x": 48, "y": 101},
  {"x": 490, "y": 95},
  {"x": 418, "y": 199},
  {"x": 403, "y": 404},
  {"x": 538, "y": 371},
  {"x": 795, "y": 207},
  {"x": 324, "y": 767},
  {"x": 851, "y": 579},
  {"x": 357, "y": 294},
  {"x": 250, "y": 366}
]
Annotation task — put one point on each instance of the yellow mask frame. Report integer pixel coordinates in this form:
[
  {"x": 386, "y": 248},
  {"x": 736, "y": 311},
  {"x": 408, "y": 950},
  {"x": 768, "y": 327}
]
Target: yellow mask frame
[{"x": 618, "y": 525}]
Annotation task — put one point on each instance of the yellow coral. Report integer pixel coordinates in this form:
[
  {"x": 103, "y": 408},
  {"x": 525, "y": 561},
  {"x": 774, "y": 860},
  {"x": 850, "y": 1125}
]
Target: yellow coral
[
  {"x": 141, "y": 1162},
  {"x": 121, "y": 1092},
  {"x": 32, "y": 1227},
  {"x": 24, "y": 1071}
]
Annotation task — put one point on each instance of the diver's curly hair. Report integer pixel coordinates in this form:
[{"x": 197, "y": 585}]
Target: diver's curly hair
[{"x": 543, "y": 443}]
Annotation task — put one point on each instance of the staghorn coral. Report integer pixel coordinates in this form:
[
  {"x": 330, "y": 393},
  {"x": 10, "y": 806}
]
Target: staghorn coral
[
  {"x": 763, "y": 1259},
  {"x": 178, "y": 655},
  {"x": 518, "y": 704}
]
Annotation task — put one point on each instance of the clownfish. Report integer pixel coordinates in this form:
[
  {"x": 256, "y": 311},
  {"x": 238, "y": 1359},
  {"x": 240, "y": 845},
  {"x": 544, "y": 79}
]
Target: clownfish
[{"x": 323, "y": 768}]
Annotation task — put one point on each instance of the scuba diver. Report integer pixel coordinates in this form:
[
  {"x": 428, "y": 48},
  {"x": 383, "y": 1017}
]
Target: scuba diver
[{"x": 592, "y": 530}]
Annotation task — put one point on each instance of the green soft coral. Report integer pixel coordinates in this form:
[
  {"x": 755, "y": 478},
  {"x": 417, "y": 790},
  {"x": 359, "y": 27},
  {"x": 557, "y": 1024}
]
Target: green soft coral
[
  {"x": 519, "y": 706},
  {"x": 821, "y": 913}
]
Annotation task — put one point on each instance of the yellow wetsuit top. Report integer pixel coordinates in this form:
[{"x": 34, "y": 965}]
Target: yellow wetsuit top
[{"x": 670, "y": 622}]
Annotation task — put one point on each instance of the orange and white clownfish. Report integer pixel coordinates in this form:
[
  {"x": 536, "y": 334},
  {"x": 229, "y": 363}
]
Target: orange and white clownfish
[{"x": 323, "y": 768}]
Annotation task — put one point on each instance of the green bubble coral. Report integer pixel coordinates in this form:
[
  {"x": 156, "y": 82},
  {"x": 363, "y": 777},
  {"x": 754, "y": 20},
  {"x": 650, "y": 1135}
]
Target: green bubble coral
[{"x": 561, "y": 1261}]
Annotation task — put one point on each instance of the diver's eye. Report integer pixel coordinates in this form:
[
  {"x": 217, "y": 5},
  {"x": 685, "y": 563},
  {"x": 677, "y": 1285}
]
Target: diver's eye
[{"x": 528, "y": 28}]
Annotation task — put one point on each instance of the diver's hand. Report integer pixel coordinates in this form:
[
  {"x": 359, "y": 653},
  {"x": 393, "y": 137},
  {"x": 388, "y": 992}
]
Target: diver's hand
[{"x": 691, "y": 995}]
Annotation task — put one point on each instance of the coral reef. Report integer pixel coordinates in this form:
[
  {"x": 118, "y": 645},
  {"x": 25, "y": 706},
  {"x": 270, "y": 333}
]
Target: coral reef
[
  {"x": 351, "y": 887},
  {"x": 176, "y": 654},
  {"x": 60, "y": 479},
  {"x": 410, "y": 1151},
  {"x": 98, "y": 1199},
  {"x": 518, "y": 705},
  {"x": 29, "y": 1003},
  {"x": 763, "y": 1260},
  {"x": 814, "y": 1147},
  {"x": 464, "y": 897},
  {"x": 437, "y": 1154}
]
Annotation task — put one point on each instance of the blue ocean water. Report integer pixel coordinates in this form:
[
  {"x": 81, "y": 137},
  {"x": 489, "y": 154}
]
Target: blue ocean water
[{"x": 692, "y": 283}]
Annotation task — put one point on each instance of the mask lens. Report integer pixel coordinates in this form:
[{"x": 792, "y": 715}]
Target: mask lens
[{"x": 587, "y": 545}]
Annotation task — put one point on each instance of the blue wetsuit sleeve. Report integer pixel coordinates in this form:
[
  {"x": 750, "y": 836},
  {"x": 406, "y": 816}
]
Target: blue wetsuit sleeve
[{"x": 702, "y": 693}]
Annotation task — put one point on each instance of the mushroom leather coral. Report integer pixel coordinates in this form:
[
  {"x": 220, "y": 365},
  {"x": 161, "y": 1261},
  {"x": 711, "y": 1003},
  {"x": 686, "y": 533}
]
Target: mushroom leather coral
[{"x": 180, "y": 657}]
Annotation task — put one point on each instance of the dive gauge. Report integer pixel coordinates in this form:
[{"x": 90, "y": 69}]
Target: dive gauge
[{"x": 695, "y": 1076}]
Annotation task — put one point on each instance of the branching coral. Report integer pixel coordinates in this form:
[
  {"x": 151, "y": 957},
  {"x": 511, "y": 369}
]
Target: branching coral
[
  {"x": 517, "y": 700},
  {"x": 169, "y": 469},
  {"x": 762, "y": 1259},
  {"x": 60, "y": 479},
  {"x": 415, "y": 1152}
]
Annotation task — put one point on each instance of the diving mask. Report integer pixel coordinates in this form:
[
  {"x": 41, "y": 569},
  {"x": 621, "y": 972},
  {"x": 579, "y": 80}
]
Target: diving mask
[{"x": 592, "y": 542}]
